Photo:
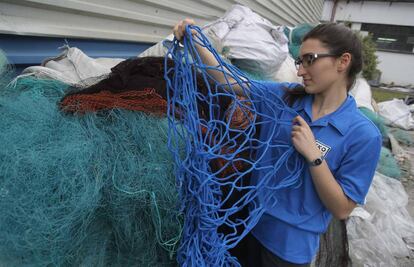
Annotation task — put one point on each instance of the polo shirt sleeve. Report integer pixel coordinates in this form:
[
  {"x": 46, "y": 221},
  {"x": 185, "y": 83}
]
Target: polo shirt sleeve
[{"x": 357, "y": 169}]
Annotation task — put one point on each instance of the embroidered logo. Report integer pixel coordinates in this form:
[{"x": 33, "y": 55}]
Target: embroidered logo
[{"x": 323, "y": 148}]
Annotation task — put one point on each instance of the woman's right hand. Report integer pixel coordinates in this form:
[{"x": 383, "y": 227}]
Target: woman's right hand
[
  {"x": 179, "y": 28},
  {"x": 208, "y": 58}
]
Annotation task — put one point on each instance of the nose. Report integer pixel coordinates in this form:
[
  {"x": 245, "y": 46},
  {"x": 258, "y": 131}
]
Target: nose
[{"x": 301, "y": 71}]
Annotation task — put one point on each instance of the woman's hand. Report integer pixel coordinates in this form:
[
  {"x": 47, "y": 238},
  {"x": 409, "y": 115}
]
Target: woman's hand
[
  {"x": 304, "y": 140},
  {"x": 179, "y": 28},
  {"x": 210, "y": 60}
]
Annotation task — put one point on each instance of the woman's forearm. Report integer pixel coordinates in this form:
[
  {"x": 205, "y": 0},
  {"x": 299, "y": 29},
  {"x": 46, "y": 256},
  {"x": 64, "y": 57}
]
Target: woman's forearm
[
  {"x": 221, "y": 76},
  {"x": 330, "y": 192}
]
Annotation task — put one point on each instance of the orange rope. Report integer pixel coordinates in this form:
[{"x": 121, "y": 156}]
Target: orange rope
[{"x": 146, "y": 100}]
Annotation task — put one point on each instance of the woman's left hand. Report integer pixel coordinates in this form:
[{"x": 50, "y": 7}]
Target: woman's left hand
[{"x": 304, "y": 140}]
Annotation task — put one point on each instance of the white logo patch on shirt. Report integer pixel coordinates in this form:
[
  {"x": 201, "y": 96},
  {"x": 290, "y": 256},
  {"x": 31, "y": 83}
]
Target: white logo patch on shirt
[{"x": 323, "y": 148}]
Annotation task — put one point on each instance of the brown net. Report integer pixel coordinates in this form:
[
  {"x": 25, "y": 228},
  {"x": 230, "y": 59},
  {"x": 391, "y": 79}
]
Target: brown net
[{"x": 147, "y": 101}]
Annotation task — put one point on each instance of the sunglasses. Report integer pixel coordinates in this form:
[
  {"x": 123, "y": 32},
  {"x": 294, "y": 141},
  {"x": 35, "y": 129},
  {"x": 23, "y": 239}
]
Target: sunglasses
[{"x": 308, "y": 59}]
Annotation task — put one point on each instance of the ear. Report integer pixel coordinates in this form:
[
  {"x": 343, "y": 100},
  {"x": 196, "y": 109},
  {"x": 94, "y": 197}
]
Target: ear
[{"x": 344, "y": 61}]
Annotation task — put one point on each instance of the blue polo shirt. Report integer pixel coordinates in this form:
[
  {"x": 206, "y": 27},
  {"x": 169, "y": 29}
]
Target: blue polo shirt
[{"x": 296, "y": 216}]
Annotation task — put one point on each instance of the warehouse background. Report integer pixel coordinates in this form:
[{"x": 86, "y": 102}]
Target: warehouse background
[{"x": 32, "y": 30}]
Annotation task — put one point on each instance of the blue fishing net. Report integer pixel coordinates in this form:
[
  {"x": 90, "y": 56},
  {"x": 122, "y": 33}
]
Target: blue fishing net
[{"x": 219, "y": 155}]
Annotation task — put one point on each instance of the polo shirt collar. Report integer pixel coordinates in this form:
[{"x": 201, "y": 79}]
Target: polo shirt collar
[{"x": 340, "y": 119}]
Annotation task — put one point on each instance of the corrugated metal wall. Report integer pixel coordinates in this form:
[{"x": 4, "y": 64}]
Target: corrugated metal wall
[{"x": 135, "y": 20}]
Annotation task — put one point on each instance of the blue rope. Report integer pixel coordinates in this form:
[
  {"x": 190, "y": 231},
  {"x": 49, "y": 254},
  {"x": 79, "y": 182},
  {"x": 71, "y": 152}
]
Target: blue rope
[{"x": 201, "y": 187}]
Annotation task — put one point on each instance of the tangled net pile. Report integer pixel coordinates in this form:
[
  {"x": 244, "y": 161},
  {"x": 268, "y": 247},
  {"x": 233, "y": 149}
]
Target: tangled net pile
[
  {"x": 218, "y": 155},
  {"x": 100, "y": 189},
  {"x": 90, "y": 190}
]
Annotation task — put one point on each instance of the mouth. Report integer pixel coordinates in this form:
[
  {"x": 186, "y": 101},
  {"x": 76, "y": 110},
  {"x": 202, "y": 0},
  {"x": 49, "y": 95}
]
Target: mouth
[{"x": 306, "y": 81}]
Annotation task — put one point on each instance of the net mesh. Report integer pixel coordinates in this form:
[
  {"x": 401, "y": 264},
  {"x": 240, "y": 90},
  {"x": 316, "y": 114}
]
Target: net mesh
[
  {"x": 210, "y": 135},
  {"x": 90, "y": 190}
]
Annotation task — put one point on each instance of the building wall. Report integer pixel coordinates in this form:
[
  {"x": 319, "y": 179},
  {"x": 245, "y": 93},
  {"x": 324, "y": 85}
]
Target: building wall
[
  {"x": 135, "y": 20},
  {"x": 381, "y": 12},
  {"x": 31, "y": 30},
  {"x": 396, "y": 67}
]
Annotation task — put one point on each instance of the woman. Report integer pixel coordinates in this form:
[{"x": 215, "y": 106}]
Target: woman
[{"x": 340, "y": 145}]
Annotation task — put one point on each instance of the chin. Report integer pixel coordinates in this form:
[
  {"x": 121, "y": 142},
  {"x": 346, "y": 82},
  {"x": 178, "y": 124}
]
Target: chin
[
  {"x": 313, "y": 89},
  {"x": 309, "y": 89}
]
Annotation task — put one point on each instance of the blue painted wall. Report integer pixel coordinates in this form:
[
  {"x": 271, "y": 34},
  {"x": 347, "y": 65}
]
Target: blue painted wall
[{"x": 25, "y": 51}]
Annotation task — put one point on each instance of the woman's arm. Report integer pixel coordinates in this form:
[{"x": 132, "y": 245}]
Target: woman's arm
[
  {"x": 208, "y": 59},
  {"x": 329, "y": 190}
]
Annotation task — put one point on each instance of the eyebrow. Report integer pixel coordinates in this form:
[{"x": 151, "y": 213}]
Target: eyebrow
[{"x": 301, "y": 55}]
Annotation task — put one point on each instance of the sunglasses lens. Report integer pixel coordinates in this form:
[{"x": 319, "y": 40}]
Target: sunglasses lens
[
  {"x": 308, "y": 60},
  {"x": 298, "y": 61}
]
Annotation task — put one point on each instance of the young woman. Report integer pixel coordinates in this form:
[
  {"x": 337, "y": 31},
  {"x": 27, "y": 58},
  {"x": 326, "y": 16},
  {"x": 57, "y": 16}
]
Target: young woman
[{"x": 340, "y": 145}]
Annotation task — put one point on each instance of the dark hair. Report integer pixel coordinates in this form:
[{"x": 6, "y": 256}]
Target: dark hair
[{"x": 339, "y": 39}]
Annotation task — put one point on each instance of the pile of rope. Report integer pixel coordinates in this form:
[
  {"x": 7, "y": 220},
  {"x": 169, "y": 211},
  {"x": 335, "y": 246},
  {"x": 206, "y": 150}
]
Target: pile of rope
[{"x": 88, "y": 189}]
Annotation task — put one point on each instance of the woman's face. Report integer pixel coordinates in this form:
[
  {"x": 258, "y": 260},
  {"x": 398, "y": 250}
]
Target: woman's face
[{"x": 322, "y": 73}]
